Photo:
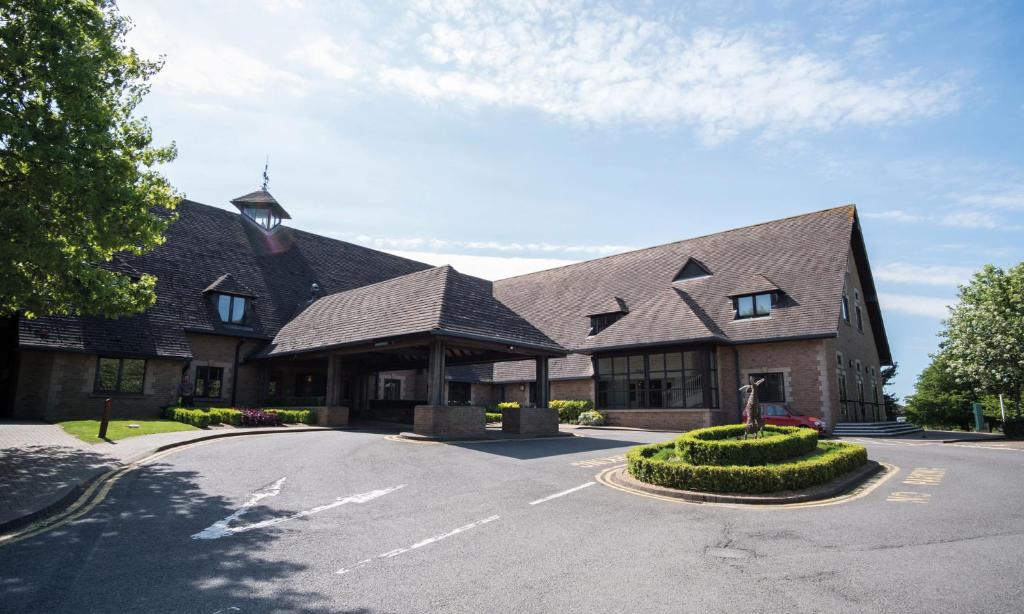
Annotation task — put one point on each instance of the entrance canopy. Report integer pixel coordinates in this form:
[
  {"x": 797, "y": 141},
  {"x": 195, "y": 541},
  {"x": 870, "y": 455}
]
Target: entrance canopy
[{"x": 430, "y": 318}]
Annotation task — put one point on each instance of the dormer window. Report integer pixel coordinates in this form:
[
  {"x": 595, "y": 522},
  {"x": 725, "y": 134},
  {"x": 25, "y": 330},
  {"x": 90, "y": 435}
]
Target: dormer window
[
  {"x": 693, "y": 269},
  {"x": 602, "y": 321},
  {"x": 262, "y": 209},
  {"x": 754, "y": 305},
  {"x": 231, "y": 309}
]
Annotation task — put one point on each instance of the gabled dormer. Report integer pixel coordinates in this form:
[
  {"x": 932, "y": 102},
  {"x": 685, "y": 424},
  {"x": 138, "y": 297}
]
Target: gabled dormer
[
  {"x": 262, "y": 209},
  {"x": 693, "y": 269},
  {"x": 606, "y": 313},
  {"x": 232, "y": 299}
]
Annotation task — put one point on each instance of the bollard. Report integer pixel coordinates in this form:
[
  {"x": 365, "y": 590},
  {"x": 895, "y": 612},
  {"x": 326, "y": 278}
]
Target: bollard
[
  {"x": 979, "y": 417},
  {"x": 107, "y": 406}
]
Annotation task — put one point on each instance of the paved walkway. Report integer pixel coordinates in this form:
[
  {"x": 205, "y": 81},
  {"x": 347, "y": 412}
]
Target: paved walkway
[{"x": 41, "y": 465}]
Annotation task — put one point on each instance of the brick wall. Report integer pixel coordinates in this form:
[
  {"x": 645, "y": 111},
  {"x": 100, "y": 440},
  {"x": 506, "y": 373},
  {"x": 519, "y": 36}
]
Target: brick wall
[
  {"x": 807, "y": 379},
  {"x": 219, "y": 351},
  {"x": 573, "y": 389},
  {"x": 855, "y": 346},
  {"x": 662, "y": 419},
  {"x": 59, "y": 386}
]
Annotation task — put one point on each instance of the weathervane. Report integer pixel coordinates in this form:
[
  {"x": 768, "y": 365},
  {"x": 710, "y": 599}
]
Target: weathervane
[{"x": 266, "y": 176}]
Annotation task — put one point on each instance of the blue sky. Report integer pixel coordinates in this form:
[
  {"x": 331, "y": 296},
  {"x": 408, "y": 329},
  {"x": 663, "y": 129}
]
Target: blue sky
[{"x": 514, "y": 136}]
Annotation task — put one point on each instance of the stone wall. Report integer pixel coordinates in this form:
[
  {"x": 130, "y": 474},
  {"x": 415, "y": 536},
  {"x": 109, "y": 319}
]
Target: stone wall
[
  {"x": 663, "y": 419},
  {"x": 219, "y": 351},
  {"x": 59, "y": 386},
  {"x": 860, "y": 361}
]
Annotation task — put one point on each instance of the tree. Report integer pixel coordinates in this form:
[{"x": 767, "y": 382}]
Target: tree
[
  {"x": 892, "y": 404},
  {"x": 984, "y": 336},
  {"x": 938, "y": 399},
  {"x": 78, "y": 184}
]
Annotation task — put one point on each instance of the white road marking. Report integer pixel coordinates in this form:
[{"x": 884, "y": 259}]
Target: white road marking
[
  {"x": 562, "y": 494},
  {"x": 905, "y": 496},
  {"x": 222, "y": 528},
  {"x": 419, "y": 544}
]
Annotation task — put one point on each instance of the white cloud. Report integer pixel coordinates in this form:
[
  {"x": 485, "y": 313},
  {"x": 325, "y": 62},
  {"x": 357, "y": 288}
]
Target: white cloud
[
  {"x": 325, "y": 55},
  {"x": 1010, "y": 198},
  {"x": 933, "y": 275},
  {"x": 221, "y": 70},
  {"x": 957, "y": 218},
  {"x": 486, "y": 267},
  {"x": 895, "y": 215},
  {"x": 970, "y": 219},
  {"x": 928, "y": 306},
  {"x": 595, "y": 64}
]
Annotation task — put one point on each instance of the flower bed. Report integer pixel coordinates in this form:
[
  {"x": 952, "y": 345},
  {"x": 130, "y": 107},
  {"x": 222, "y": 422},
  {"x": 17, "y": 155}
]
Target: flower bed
[{"x": 241, "y": 417}]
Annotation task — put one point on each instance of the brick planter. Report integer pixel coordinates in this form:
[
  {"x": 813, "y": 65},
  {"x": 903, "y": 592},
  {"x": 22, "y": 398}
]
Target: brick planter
[
  {"x": 539, "y": 421},
  {"x": 332, "y": 416},
  {"x": 450, "y": 422}
]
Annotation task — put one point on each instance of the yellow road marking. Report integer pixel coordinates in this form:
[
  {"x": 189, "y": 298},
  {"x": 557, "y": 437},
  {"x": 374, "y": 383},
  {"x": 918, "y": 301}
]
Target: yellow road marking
[
  {"x": 924, "y": 476},
  {"x": 905, "y": 496},
  {"x": 597, "y": 462}
]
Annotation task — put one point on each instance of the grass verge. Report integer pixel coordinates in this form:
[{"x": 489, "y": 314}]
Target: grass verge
[{"x": 87, "y": 430}]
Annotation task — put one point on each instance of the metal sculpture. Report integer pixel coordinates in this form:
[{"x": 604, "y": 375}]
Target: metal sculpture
[{"x": 755, "y": 421}]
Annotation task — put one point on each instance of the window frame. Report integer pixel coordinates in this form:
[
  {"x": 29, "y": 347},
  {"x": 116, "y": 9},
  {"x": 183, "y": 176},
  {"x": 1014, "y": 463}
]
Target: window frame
[
  {"x": 635, "y": 379},
  {"x": 601, "y": 321},
  {"x": 753, "y": 377},
  {"x": 232, "y": 299},
  {"x": 754, "y": 313},
  {"x": 117, "y": 390},
  {"x": 845, "y": 308},
  {"x": 860, "y": 319},
  {"x": 394, "y": 384},
  {"x": 206, "y": 382}
]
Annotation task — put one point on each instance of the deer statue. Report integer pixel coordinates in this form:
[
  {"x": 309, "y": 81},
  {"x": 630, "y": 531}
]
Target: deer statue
[{"x": 755, "y": 421}]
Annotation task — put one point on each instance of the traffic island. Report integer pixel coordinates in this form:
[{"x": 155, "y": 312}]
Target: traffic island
[{"x": 716, "y": 464}]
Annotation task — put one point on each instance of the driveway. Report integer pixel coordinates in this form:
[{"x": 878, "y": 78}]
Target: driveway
[{"x": 354, "y": 521}]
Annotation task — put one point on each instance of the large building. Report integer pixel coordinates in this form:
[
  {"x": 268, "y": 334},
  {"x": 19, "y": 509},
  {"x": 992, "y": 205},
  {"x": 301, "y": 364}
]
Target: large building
[{"x": 255, "y": 313}]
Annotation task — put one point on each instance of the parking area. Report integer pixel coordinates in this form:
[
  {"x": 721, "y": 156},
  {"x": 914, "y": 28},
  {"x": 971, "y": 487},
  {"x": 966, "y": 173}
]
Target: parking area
[{"x": 354, "y": 521}]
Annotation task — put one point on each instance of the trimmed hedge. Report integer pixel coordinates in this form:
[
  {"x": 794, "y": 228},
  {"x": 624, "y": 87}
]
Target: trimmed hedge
[
  {"x": 295, "y": 416},
  {"x": 715, "y": 445},
  {"x": 225, "y": 415},
  {"x": 832, "y": 460},
  {"x": 569, "y": 410},
  {"x": 493, "y": 416},
  {"x": 591, "y": 418},
  {"x": 508, "y": 405},
  {"x": 195, "y": 417}
]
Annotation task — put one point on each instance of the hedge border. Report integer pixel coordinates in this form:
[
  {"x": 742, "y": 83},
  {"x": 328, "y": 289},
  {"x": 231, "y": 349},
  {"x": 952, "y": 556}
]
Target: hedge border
[
  {"x": 714, "y": 446},
  {"x": 836, "y": 459}
]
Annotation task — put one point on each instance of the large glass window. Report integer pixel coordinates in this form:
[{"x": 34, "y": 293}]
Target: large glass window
[
  {"x": 123, "y": 375},
  {"x": 231, "y": 309},
  {"x": 209, "y": 382},
  {"x": 658, "y": 380},
  {"x": 459, "y": 393}
]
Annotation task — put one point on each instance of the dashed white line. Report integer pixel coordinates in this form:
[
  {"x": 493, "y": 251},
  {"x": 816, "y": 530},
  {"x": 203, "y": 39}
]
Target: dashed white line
[
  {"x": 562, "y": 494},
  {"x": 419, "y": 544}
]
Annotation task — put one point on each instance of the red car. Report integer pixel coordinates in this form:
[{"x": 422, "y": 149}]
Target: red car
[{"x": 780, "y": 415}]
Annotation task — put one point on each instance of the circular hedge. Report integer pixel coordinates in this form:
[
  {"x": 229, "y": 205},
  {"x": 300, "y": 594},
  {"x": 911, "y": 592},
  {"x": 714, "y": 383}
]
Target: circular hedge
[
  {"x": 653, "y": 465},
  {"x": 717, "y": 445}
]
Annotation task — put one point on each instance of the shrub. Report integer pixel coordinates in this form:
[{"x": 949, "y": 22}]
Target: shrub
[
  {"x": 591, "y": 418},
  {"x": 258, "y": 417},
  {"x": 1013, "y": 427},
  {"x": 225, "y": 415},
  {"x": 493, "y": 416},
  {"x": 195, "y": 417},
  {"x": 648, "y": 464},
  {"x": 715, "y": 445},
  {"x": 295, "y": 416},
  {"x": 570, "y": 410},
  {"x": 509, "y": 405}
]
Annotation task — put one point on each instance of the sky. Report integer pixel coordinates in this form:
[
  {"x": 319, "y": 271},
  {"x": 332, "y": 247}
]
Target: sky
[{"x": 509, "y": 137}]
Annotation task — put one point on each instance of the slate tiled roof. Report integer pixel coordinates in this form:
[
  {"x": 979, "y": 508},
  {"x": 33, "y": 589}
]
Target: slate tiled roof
[
  {"x": 203, "y": 245},
  {"x": 804, "y": 256},
  {"x": 261, "y": 198},
  {"x": 438, "y": 300},
  {"x": 227, "y": 284}
]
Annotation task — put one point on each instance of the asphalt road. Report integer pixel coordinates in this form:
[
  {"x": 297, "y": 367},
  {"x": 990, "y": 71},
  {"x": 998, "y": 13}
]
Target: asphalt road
[{"x": 352, "y": 521}]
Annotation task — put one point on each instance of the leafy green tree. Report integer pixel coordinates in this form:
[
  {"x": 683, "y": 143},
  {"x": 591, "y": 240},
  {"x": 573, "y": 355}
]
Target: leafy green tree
[
  {"x": 984, "y": 336},
  {"x": 939, "y": 400},
  {"x": 78, "y": 183},
  {"x": 892, "y": 404}
]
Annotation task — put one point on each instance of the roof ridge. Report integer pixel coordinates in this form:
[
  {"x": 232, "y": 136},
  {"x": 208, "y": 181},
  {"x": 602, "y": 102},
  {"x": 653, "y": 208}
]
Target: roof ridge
[
  {"x": 383, "y": 281},
  {"x": 710, "y": 234}
]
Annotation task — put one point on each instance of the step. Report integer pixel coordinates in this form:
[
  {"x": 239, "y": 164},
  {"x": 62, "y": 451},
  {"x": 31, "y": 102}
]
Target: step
[{"x": 875, "y": 429}]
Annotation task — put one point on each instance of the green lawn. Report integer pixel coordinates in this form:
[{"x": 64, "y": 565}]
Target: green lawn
[{"x": 87, "y": 430}]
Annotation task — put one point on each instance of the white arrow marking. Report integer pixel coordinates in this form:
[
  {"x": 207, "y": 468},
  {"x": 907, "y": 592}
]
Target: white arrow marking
[{"x": 222, "y": 528}]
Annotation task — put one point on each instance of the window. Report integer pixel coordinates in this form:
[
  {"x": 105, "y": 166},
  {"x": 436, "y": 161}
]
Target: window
[
  {"x": 841, "y": 384},
  {"x": 208, "y": 382},
  {"x": 459, "y": 393},
  {"x": 392, "y": 389},
  {"x": 860, "y": 320},
  {"x": 754, "y": 305},
  {"x": 120, "y": 375},
  {"x": 773, "y": 390},
  {"x": 670, "y": 380},
  {"x": 691, "y": 270},
  {"x": 602, "y": 321},
  {"x": 231, "y": 308},
  {"x": 262, "y": 216},
  {"x": 846, "y": 308}
]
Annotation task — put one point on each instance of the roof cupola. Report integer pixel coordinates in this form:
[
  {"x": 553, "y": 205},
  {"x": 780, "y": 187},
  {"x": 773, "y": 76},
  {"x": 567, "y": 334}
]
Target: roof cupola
[{"x": 261, "y": 208}]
